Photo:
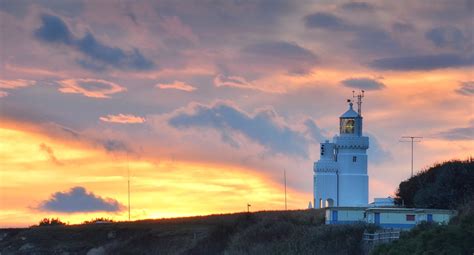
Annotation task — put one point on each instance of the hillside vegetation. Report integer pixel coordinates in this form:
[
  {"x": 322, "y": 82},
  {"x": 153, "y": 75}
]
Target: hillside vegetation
[
  {"x": 277, "y": 232},
  {"x": 448, "y": 186}
]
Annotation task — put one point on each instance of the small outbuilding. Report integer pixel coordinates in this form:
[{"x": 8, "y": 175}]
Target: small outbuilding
[
  {"x": 345, "y": 215},
  {"x": 387, "y": 217},
  {"x": 406, "y": 218}
]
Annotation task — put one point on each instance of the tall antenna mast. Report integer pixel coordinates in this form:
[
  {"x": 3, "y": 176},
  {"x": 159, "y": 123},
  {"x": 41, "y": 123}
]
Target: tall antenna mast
[
  {"x": 359, "y": 100},
  {"x": 412, "y": 139},
  {"x": 128, "y": 182},
  {"x": 284, "y": 177}
]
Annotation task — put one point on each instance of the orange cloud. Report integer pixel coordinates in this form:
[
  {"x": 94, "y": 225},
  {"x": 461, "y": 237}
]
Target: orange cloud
[
  {"x": 160, "y": 187},
  {"x": 122, "y": 118},
  {"x": 176, "y": 85},
  {"x": 90, "y": 87}
]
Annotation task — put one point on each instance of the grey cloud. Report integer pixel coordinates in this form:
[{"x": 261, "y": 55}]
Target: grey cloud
[
  {"x": 20, "y": 8},
  {"x": 261, "y": 127},
  {"x": 358, "y": 6},
  {"x": 54, "y": 29},
  {"x": 115, "y": 146},
  {"x": 376, "y": 152},
  {"x": 370, "y": 40},
  {"x": 402, "y": 27},
  {"x": 77, "y": 199},
  {"x": 363, "y": 83},
  {"x": 466, "y": 88},
  {"x": 422, "y": 62},
  {"x": 209, "y": 18},
  {"x": 314, "y": 131},
  {"x": 327, "y": 21},
  {"x": 363, "y": 37},
  {"x": 448, "y": 37},
  {"x": 98, "y": 55},
  {"x": 284, "y": 55},
  {"x": 457, "y": 134}
]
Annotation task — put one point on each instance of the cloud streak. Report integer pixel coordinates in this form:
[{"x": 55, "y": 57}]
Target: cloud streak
[
  {"x": 466, "y": 88},
  {"x": 363, "y": 83},
  {"x": 14, "y": 84},
  {"x": 78, "y": 200},
  {"x": 90, "y": 87},
  {"x": 457, "y": 134},
  {"x": 178, "y": 85},
  {"x": 122, "y": 119},
  {"x": 422, "y": 62},
  {"x": 280, "y": 55},
  {"x": 50, "y": 153},
  {"x": 233, "y": 81}
]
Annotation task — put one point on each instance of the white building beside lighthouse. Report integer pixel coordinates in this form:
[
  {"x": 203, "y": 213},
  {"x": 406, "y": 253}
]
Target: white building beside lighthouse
[{"x": 340, "y": 175}]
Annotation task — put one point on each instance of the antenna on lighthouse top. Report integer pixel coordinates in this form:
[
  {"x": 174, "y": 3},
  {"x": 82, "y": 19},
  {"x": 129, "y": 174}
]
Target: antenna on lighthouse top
[{"x": 359, "y": 100}]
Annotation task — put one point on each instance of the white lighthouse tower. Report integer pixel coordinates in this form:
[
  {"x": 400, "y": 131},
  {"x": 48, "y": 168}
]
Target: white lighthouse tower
[{"x": 340, "y": 175}]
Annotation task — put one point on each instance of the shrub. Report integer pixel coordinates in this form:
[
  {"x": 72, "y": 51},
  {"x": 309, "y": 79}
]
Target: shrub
[{"x": 51, "y": 222}]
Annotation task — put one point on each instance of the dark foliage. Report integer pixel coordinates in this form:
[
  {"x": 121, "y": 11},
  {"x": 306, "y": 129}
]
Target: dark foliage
[
  {"x": 51, "y": 222},
  {"x": 98, "y": 220},
  {"x": 443, "y": 186},
  {"x": 455, "y": 238}
]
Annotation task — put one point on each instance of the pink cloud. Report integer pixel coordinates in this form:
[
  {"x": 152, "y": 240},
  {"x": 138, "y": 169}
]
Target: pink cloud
[
  {"x": 179, "y": 85},
  {"x": 123, "y": 119},
  {"x": 13, "y": 84},
  {"x": 232, "y": 81},
  {"x": 175, "y": 27},
  {"x": 90, "y": 87}
]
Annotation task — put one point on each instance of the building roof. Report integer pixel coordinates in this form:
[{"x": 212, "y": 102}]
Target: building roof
[
  {"x": 350, "y": 113},
  {"x": 402, "y": 209},
  {"x": 391, "y": 209}
]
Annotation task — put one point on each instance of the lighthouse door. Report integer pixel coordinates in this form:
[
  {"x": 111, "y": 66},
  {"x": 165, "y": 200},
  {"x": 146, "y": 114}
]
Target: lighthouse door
[{"x": 377, "y": 218}]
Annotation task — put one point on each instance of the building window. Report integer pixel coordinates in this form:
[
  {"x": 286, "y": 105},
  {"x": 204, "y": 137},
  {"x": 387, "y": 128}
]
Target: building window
[
  {"x": 410, "y": 217},
  {"x": 354, "y": 159}
]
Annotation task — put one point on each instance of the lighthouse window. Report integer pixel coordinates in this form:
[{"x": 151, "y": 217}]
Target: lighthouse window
[
  {"x": 347, "y": 126},
  {"x": 354, "y": 159}
]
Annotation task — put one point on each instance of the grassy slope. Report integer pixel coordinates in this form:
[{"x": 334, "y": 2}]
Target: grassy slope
[{"x": 276, "y": 232}]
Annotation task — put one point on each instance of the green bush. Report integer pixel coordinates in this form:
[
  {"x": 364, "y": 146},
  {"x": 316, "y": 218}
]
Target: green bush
[{"x": 443, "y": 186}]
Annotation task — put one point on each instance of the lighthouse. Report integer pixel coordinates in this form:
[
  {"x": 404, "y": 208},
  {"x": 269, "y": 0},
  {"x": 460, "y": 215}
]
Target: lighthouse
[{"x": 340, "y": 175}]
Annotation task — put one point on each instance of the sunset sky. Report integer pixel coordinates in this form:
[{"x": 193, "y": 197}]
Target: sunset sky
[{"x": 206, "y": 103}]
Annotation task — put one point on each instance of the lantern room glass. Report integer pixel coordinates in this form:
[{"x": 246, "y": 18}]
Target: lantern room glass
[{"x": 347, "y": 126}]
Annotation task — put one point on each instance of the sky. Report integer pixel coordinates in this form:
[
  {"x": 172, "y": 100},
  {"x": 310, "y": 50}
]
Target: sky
[{"x": 206, "y": 103}]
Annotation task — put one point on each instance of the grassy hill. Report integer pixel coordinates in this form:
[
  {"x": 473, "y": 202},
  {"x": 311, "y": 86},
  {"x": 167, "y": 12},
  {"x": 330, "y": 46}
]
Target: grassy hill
[{"x": 272, "y": 232}]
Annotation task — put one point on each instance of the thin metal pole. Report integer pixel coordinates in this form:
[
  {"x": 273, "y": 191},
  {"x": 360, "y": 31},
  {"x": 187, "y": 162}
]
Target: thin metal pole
[
  {"x": 128, "y": 182},
  {"x": 284, "y": 177},
  {"x": 412, "y": 140},
  {"x": 412, "y": 156}
]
